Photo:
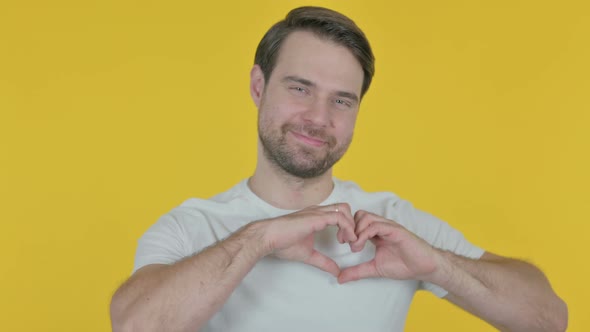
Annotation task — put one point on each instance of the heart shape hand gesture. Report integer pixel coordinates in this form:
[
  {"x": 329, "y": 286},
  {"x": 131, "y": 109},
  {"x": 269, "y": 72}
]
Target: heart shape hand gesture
[{"x": 399, "y": 253}]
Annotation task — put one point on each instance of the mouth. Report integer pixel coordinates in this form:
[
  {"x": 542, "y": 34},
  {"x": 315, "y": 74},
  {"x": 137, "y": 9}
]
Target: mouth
[{"x": 308, "y": 140}]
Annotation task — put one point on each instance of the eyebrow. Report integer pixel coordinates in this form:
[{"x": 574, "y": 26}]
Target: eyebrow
[
  {"x": 311, "y": 84},
  {"x": 298, "y": 79},
  {"x": 348, "y": 95}
]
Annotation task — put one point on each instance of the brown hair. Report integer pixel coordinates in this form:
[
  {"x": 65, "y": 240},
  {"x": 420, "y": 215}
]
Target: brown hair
[{"x": 325, "y": 23}]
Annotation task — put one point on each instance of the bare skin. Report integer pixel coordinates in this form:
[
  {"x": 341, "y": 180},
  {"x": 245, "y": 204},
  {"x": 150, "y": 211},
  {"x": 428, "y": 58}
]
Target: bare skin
[
  {"x": 183, "y": 296},
  {"x": 511, "y": 295},
  {"x": 307, "y": 111}
]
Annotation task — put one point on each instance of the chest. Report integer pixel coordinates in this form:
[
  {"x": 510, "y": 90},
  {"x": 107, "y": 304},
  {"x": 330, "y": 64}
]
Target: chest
[{"x": 287, "y": 296}]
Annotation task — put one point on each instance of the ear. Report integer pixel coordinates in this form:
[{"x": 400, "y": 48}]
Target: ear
[{"x": 256, "y": 84}]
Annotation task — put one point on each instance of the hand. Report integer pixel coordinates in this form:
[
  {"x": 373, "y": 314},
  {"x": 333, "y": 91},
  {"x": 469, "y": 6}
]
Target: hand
[
  {"x": 292, "y": 236},
  {"x": 399, "y": 254}
]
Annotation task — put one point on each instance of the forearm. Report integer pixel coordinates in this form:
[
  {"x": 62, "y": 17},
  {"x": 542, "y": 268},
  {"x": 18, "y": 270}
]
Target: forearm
[
  {"x": 185, "y": 295},
  {"x": 510, "y": 294}
]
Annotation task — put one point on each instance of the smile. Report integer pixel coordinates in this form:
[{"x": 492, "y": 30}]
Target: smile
[{"x": 308, "y": 140}]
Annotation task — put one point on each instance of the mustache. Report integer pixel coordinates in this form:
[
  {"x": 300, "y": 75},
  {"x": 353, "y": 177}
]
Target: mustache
[{"x": 310, "y": 131}]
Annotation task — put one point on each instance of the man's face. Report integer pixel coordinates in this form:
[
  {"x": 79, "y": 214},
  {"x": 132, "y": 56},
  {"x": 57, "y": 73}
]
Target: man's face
[{"x": 308, "y": 107}]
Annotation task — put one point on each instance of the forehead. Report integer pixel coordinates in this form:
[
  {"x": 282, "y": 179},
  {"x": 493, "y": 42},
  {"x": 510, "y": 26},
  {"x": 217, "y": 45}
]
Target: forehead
[{"x": 319, "y": 60}]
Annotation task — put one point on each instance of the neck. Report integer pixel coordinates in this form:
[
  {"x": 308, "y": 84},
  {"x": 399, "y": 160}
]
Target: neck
[{"x": 285, "y": 191}]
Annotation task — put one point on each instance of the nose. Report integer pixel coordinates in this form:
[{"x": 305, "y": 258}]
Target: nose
[{"x": 318, "y": 113}]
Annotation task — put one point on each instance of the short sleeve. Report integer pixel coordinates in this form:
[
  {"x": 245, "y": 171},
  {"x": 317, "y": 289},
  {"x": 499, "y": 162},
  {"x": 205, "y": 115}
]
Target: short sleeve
[
  {"x": 437, "y": 233},
  {"x": 163, "y": 243}
]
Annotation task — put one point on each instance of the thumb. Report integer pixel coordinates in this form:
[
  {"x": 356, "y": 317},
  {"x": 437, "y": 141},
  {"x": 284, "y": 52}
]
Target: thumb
[
  {"x": 361, "y": 271},
  {"x": 323, "y": 262}
]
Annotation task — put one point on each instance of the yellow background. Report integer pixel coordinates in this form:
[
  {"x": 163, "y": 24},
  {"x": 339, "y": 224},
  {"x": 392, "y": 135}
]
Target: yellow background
[{"x": 114, "y": 112}]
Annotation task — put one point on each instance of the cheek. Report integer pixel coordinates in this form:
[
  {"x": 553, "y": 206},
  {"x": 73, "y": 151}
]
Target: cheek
[
  {"x": 281, "y": 113},
  {"x": 347, "y": 134},
  {"x": 271, "y": 119},
  {"x": 347, "y": 123}
]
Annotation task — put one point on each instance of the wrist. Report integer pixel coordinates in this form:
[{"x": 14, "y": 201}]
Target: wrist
[
  {"x": 443, "y": 272},
  {"x": 254, "y": 235}
]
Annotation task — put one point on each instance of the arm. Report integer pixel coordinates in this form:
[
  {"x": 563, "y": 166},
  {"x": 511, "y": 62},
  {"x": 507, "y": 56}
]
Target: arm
[
  {"x": 509, "y": 294},
  {"x": 185, "y": 295}
]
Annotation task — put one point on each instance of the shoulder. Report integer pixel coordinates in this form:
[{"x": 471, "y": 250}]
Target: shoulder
[
  {"x": 425, "y": 225},
  {"x": 197, "y": 215},
  {"x": 222, "y": 203}
]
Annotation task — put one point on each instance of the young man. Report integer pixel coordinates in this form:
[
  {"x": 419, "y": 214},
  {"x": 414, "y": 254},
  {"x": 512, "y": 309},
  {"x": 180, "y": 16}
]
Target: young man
[{"x": 292, "y": 248}]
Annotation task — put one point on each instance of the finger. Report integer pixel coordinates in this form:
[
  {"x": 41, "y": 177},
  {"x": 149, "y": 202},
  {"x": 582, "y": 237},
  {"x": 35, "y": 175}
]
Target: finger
[
  {"x": 336, "y": 207},
  {"x": 362, "y": 233},
  {"x": 344, "y": 208},
  {"x": 358, "y": 245},
  {"x": 363, "y": 270},
  {"x": 385, "y": 231},
  {"x": 329, "y": 208},
  {"x": 345, "y": 222},
  {"x": 376, "y": 228},
  {"x": 347, "y": 229},
  {"x": 323, "y": 262},
  {"x": 335, "y": 218},
  {"x": 362, "y": 220},
  {"x": 359, "y": 214},
  {"x": 352, "y": 236},
  {"x": 339, "y": 236}
]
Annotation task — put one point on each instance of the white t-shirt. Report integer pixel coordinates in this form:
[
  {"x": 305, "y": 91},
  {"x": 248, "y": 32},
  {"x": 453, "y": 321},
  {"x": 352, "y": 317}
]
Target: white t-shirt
[{"x": 279, "y": 295}]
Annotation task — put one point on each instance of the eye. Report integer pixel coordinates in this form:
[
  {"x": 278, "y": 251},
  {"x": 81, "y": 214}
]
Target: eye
[
  {"x": 343, "y": 103},
  {"x": 298, "y": 90}
]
